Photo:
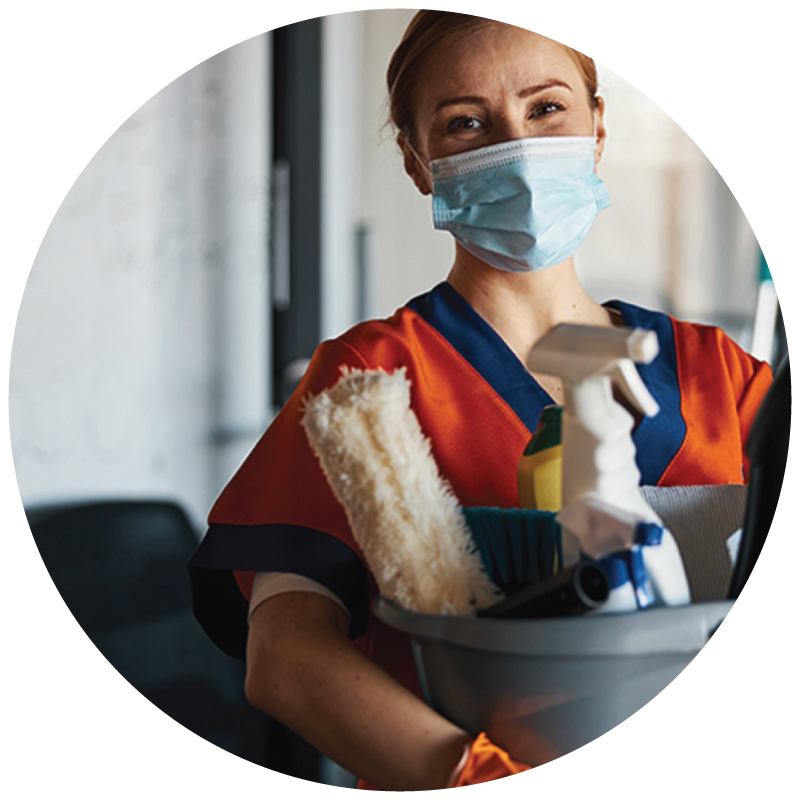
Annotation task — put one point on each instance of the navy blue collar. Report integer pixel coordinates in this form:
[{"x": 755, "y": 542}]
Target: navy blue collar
[
  {"x": 479, "y": 343},
  {"x": 657, "y": 438}
]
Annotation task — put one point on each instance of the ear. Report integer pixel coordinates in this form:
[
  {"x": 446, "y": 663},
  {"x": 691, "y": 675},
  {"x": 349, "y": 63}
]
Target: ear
[
  {"x": 413, "y": 167},
  {"x": 600, "y": 135}
]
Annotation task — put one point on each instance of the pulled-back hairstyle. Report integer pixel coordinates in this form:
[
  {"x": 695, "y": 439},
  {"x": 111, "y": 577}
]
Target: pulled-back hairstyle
[{"x": 426, "y": 31}]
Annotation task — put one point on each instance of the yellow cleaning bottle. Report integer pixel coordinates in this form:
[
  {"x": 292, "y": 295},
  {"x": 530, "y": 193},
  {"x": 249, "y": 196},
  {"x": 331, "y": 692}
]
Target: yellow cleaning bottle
[{"x": 539, "y": 466}]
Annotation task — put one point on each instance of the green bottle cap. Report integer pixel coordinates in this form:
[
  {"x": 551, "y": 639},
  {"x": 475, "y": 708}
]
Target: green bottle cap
[{"x": 548, "y": 431}]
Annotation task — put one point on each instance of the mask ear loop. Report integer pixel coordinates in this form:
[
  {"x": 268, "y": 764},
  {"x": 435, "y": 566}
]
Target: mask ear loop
[{"x": 425, "y": 167}]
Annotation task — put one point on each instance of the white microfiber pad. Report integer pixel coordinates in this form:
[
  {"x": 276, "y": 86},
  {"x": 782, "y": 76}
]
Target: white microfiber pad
[
  {"x": 701, "y": 519},
  {"x": 404, "y": 517}
]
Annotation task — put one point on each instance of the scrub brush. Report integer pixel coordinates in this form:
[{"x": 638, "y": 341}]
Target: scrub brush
[{"x": 403, "y": 515}]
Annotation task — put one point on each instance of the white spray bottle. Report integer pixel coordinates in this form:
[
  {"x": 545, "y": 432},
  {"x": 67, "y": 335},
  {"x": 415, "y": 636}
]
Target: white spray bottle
[{"x": 601, "y": 503}]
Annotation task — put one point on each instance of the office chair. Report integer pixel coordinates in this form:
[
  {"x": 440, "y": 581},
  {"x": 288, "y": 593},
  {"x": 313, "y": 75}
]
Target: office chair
[{"x": 120, "y": 568}]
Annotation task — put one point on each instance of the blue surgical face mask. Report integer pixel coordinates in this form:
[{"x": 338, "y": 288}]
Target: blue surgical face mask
[{"x": 522, "y": 205}]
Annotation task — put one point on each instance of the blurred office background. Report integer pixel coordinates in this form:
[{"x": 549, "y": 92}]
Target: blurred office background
[{"x": 253, "y": 207}]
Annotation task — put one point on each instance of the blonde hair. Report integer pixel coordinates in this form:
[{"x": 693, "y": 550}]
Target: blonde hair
[{"x": 426, "y": 31}]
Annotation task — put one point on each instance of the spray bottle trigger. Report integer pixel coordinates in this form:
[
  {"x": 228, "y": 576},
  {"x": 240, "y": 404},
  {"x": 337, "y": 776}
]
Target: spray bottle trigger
[{"x": 624, "y": 375}]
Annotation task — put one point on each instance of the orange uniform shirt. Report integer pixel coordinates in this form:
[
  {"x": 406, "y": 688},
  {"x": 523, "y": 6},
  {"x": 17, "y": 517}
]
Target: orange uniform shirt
[{"x": 478, "y": 405}]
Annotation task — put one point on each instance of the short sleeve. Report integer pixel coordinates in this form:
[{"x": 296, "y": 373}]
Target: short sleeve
[
  {"x": 721, "y": 390},
  {"x": 278, "y": 514}
]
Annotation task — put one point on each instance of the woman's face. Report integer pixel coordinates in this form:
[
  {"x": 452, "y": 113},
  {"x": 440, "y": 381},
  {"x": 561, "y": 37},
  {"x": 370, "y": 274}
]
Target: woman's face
[{"x": 493, "y": 85}]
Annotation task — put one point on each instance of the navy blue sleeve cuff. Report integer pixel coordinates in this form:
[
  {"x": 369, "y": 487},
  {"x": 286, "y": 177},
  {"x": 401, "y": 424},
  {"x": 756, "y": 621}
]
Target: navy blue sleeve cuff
[{"x": 218, "y": 604}]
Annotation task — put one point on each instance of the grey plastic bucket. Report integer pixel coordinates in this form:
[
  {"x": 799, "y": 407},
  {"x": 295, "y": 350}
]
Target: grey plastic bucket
[{"x": 543, "y": 688}]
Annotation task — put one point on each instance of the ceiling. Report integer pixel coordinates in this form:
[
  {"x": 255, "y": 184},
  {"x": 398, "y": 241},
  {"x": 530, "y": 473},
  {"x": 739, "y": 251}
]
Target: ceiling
[{"x": 742, "y": 115}]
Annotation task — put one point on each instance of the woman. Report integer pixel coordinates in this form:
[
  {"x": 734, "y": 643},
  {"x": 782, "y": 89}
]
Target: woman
[{"x": 278, "y": 540}]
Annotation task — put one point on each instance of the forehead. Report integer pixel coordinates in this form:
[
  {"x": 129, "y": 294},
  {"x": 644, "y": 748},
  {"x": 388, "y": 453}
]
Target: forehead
[{"x": 494, "y": 58}]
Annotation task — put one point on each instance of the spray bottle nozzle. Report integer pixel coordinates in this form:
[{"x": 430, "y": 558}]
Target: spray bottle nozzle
[
  {"x": 578, "y": 353},
  {"x": 603, "y": 344}
]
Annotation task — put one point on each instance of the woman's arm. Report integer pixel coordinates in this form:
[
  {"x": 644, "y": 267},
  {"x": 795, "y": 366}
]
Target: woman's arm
[{"x": 303, "y": 670}]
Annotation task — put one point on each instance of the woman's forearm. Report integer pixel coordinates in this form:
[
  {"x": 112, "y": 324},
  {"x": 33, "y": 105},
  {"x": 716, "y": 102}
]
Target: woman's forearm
[{"x": 303, "y": 670}]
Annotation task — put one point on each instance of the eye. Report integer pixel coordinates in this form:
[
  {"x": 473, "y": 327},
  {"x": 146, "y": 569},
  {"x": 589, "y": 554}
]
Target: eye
[
  {"x": 546, "y": 108},
  {"x": 464, "y": 124}
]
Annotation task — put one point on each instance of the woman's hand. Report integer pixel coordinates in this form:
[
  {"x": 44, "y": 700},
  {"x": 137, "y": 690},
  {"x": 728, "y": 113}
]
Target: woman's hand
[{"x": 303, "y": 670}]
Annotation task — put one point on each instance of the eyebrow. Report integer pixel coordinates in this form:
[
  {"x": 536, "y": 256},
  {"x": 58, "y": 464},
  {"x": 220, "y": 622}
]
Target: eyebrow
[{"x": 476, "y": 99}]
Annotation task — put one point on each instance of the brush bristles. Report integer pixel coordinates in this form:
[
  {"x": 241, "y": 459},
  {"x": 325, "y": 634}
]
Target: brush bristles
[{"x": 404, "y": 517}]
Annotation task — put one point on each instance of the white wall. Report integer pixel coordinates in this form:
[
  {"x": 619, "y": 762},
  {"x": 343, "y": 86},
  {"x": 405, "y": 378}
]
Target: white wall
[
  {"x": 409, "y": 256},
  {"x": 342, "y": 36},
  {"x": 139, "y": 359}
]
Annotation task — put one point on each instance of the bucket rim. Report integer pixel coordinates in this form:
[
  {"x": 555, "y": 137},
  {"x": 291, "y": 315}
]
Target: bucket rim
[{"x": 655, "y": 631}]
